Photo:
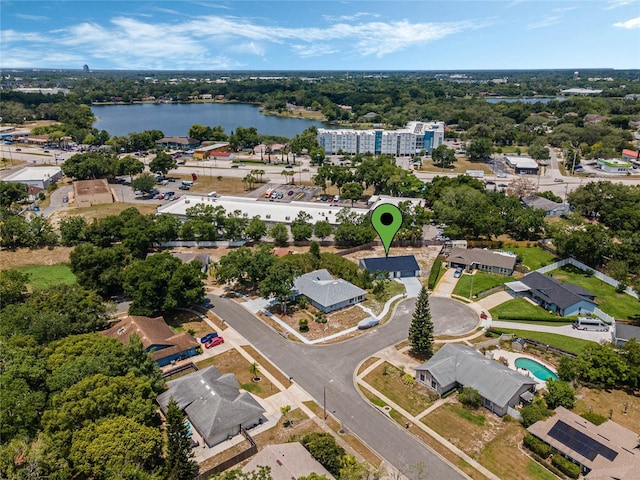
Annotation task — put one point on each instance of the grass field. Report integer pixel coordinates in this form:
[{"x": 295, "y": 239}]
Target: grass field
[
  {"x": 570, "y": 344},
  {"x": 519, "y": 308},
  {"x": 620, "y": 305},
  {"x": 479, "y": 282},
  {"x": 533, "y": 257},
  {"x": 612, "y": 402},
  {"x": 387, "y": 379},
  {"x": 461, "y": 165},
  {"x": 42, "y": 276}
]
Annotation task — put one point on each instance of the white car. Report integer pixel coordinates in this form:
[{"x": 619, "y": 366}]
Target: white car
[{"x": 368, "y": 323}]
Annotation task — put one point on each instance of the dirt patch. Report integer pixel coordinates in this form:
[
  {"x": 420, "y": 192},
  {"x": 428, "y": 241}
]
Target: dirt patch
[
  {"x": 612, "y": 403},
  {"x": 24, "y": 256},
  {"x": 336, "y": 321}
]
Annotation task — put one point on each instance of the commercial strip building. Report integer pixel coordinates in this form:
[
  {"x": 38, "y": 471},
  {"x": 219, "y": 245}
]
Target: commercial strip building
[
  {"x": 208, "y": 151},
  {"x": 39, "y": 177},
  {"x": 414, "y": 139},
  {"x": 182, "y": 143},
  {"x": 522, "y": 164},
  {"x": 603, "y": 451},
  {"x": 614, "y": 165}
]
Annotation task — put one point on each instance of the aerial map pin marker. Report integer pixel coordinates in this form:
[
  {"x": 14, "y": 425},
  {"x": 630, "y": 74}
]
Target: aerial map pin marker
[{"x": 386, "y": 219}]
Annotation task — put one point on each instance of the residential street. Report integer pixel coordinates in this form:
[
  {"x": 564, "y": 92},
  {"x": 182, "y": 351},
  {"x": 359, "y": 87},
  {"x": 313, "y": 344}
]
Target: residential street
[{"x": 313, "y": 367}]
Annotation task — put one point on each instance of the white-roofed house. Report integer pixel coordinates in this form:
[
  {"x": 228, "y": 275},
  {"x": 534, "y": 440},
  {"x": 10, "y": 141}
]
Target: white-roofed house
[{"x": 325, "y": 292}]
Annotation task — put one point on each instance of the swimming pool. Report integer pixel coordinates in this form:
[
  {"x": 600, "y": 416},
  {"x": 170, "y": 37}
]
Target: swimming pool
[{"x": 539, "y": 371}]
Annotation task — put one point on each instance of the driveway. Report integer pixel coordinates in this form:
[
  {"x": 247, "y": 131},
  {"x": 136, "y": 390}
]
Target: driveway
[
  {"x": 447, "y": 283},
  {"x": 412, "y": 284},
  {"x": 313, "y": 367}
]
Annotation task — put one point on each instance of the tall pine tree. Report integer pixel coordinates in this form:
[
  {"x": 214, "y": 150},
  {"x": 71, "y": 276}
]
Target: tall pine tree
[
  {"x": 179, "y": 461},
  {"x": 421, "y": 329}
]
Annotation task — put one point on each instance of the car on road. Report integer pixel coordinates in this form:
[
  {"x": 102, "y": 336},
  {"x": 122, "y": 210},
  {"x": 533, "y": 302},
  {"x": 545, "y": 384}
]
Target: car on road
[
  {"x": 214, "y": 342},
  {"x": 46, "y": 151},
  {"x": 490, "y": 182},
  {"x": 208, "y": 336},
  {"x": 18, "y": 149},
  {"x": 457, "y": 273},
  {"x": 502, "y": 185},
  {"x": 184, "y": 187},
  {"x": 368, "y": 323},
  {"x": 558, "y": 180},
  {"x": 235, "y": 166},
  {"x": 289, "y": 166},
  {"x": 501, "y": 175}
]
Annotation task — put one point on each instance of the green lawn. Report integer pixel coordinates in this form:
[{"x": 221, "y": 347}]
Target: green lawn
[
  {"x": 520, "y": 309},
  {"x": 570, "y": 344},
  {"x": 42, "y": 276},
  {"x": 620, "y": 305},
  {"x": 480, "y": 282},
  {"x": 533, "y": 257}
]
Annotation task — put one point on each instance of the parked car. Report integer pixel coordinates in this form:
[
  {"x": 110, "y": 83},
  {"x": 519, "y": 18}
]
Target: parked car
[
  {"x": 214, "y": 342},
  {"x": 290, "y": 192},
  {"x": 368, "y": 323},
  {"x": 280, "y": 195},
  {"x": 208, "y": 336},
  {"x": 502, "y": 185},
  {"x": 184, "y": 187},
  {"x": 458, "y": 272}
]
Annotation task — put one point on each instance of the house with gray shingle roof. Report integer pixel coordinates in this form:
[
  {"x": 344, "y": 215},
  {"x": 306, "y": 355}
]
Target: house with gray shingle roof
[
  {"x": 455, "y": 366},
  {"x": 480, "y": 259},
  {"x": 214, "y": 404},
  {"x": 551, "y": 208},
  {"x": 565, "y": 299},
  {"x": 325, "y": 292}
]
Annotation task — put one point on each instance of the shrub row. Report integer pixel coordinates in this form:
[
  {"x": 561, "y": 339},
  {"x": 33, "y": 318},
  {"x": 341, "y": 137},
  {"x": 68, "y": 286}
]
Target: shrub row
[
  {"x": 546, "y": 465},
  {"x": 567, "y": 467},
  {"x": 435, "y": 271},
  {"x": 533, "y": 318},
  {"x": 537, "y": 446},
  {"x": 594, "y": 418}
]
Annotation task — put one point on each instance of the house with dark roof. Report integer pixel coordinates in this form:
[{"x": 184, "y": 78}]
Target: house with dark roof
[
  {"x": 157, "y": 338},
  {"x": 603, "y": 452},
  {"x": 565, "y": 299},
  {"x": 455, "y": 366},
  {"x": 397, "y": 267},
  {"x": 325, "y": 292},
  {"x": 551, "y": 208},
  {"x": 287, "y": 461},
  {"x": 479, "y": 259},
  {"x": 214, "y": 404},
  {"x": 624, "y": 333}
]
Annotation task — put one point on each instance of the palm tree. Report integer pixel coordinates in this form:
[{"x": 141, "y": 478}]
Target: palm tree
[
  {"x": 254, "y": 370},
  {"x": 285, "y": 412}
]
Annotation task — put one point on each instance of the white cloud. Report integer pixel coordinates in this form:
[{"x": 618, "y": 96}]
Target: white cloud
[
  {"x": 251, "y": 47},
  {"x": 314, "y": 50},
  {"x": 347, "y": 18},
  {"x": 35, "y": 18},
  {"x": 611, "y": 4},
  {"x": 629, "y": 24},
  {"x": 545, "y": 22}
]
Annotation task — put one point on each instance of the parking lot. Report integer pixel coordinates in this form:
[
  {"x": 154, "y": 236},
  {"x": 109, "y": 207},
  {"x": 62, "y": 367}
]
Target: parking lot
[{"x": 272, "y": 192}]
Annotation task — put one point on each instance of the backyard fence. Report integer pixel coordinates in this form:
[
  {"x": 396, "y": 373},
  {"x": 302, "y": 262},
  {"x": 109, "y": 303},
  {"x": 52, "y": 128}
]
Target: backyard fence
[
  {"x": 493, "y": 342},
  {"x": 599, "y": 275},
  {"x": 221, "y": 467},
  {"x": 200, "y": 244}
]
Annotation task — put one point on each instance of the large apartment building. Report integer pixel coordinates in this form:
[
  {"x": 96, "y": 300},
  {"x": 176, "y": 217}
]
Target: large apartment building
[{"x": 415, "y": 138}]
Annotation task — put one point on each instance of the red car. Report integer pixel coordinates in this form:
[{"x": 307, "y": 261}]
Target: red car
[{"x": 214, "y": 342}]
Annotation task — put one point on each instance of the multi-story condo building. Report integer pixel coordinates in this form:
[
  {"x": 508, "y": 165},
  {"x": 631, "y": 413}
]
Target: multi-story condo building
[{"x": 415, "y": 138}]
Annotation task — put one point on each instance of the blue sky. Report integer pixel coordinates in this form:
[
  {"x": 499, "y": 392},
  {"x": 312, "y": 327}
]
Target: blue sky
[{"x": 320, "y": 35}]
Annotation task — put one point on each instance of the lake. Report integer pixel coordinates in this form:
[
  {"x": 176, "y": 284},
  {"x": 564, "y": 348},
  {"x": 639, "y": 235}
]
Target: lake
[
  {"x": 525, "y": 99},
  {"x": 176, "y": 119}
]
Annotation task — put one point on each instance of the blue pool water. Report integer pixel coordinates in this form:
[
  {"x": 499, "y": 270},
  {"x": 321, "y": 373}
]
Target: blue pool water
[{"x": 539, "y": 371}]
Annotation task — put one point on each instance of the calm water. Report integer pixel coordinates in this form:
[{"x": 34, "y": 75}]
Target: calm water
[
  {"x": 176, "y": 119},
  {"x": 526, "y": 99}
]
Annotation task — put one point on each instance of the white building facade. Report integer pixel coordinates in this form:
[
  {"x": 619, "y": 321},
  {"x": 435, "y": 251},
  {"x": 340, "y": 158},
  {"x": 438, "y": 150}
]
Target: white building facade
[{"x": 414, "y": 139}]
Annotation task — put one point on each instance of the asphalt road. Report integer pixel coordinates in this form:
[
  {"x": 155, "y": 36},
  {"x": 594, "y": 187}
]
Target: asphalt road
[{"x": 314, "y": 367}]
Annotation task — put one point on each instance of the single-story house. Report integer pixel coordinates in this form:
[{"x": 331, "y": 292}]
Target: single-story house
[
  {"x": 480, "y": 259},
  {"x": 455, "y": 366},
  {"x": 183, "y": 143},
  {"x": 91, "y": 192},
  {"x": 451, "y": 244},
  {"x": 397, "y": 267},
  {"x": 551, "y": 208},
  {"x": 157, "y": 338},
  {"x": 214, "y": 404},
  {"x": 604, "y": 451},
  {"x": 565, "y": 299},
  {"x": 325, "y": 292},
  {"x": 188, "y": 257},
  {"x": 39, "y": 177},
  {"x": 624, "y": 333},
  {"x": 287, "y": 461}
]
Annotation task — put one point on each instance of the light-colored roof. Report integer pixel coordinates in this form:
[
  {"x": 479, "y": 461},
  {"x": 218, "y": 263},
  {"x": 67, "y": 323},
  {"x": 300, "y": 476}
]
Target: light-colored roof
[
  {"x": 534, "y": 201},
  {"x": 325, "y": 290},
  {"x": 613, "y": 452},
  {"x": 33, "y": 174},
  {"x": 521, "y": 162},
  {"x": 215, "y": 146},
  {"x": 461, "y": 364},
  {"x": 212, "y": 401},
  {"x": 479, "y": 256},
  {"x": 287, "y": 461}
]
